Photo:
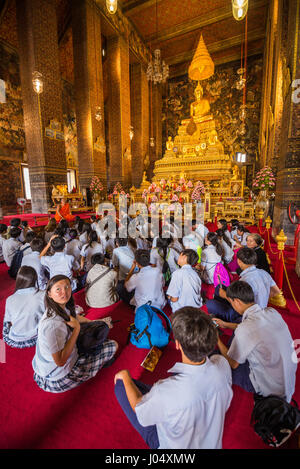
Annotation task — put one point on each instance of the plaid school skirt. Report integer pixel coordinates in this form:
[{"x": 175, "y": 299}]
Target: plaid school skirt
[
  {"x": 86, "y": 367},
  {"x": 13, "y": 343}
]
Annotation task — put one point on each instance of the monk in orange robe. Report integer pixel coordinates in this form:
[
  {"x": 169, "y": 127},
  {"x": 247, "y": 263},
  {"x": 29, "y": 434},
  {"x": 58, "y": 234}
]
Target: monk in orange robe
[{"x": 63, "y": 211}]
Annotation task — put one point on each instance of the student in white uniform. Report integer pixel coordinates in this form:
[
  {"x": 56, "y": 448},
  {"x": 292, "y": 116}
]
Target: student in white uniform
[
  {"x": 30, "y": 235},
  {"x": 33, "y": 260},
  {"x": 234, "y": 224},
  {"x": 83, "y": 237},
  {"x": 122, "y": 258},
  {"x": 16, "y": 223},
  {"x": 227, "y": 244},
  {"x": 185, "y": 285},
  {"x": 222, "y": 225},
  {"x": 147, "y": 284},
  {"x": 73, "y": 246},
  {"x": 3, "y": 232},
  {"x": 57, "y": 364},
  {"x": 23, "y": 310},
  {"x": 210, "y": 257},
  {"x": 60, "y": 263},
  {"x": 94, "y": 223},
  {"x": 92, "y": 247},
  {"x": 260, "y": 353},
  {"x": 101, "y": 284},
  {"x": 241, "y": 236},
  {"x": 164, "y": 252},
  {"x": 186, "y": 410},
  {"x": 11, "y": 245}
]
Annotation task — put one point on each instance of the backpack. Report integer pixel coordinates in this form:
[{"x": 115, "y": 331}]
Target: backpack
[
  {"x": 222, "y": 274},
  {"x": 274, "y": 419},
  {"x": 148, "y": 329},
  {"x": 16, "y": 262}
]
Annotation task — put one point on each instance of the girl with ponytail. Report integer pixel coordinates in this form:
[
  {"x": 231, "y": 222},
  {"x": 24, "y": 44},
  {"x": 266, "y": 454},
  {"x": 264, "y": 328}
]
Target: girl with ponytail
[
  {"x": 88, "y": 250},
  {"x": 226, "y": 243},
  {"x": 57, "y": 364},
  {"x": 210, "y": 257}
]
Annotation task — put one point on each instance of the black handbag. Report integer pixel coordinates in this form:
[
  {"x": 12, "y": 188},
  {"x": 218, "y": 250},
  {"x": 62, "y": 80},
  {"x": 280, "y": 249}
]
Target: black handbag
[{"x": 91, "y": 335}]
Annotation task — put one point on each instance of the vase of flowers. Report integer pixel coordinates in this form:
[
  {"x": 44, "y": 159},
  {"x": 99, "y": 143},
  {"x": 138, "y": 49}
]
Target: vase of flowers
[
  {"x": 198, "y": 191},
  {"x": 263, "y": 182},
  {"x": 96, "y": 187}
]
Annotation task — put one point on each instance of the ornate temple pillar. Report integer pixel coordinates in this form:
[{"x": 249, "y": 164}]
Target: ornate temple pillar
[
  {"x": 119, "y": 111},
  {"x": 88, "y": 91},
  {"x": 157, "y": 151},
  {"x": 140, "y": 122},
  {"x": 288, "y": 173},
  {"x": 38, "y": 51}
]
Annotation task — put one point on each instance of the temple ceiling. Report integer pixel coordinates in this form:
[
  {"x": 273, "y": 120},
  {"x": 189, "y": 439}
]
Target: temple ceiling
[{"x": 173, "y": 26}]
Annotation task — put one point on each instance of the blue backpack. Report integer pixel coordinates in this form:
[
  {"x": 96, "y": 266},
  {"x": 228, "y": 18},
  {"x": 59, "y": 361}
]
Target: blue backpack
[{"x": 148, "y": 329}]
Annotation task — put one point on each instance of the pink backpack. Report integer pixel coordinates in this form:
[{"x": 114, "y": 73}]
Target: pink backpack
[{"x": 221, "y": 275}]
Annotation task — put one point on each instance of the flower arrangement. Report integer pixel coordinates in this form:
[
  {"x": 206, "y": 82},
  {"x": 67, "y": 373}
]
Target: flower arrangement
[
  {"x": 96, "y": 185},
  {"x": 264, "y": 179},
  {"x": 199, "y": 189},
  {"x": 118, "y": 190}
]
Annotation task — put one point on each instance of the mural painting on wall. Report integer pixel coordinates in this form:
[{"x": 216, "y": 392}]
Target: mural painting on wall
[
  {"x": 12, "y": 133},
  {"x": 225, "y": 101},
  {"x": 69, "y": 119}
]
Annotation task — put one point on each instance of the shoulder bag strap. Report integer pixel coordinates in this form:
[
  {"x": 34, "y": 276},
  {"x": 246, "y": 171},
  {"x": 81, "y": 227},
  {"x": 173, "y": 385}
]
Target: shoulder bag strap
[{"x": 89, "y": 285}]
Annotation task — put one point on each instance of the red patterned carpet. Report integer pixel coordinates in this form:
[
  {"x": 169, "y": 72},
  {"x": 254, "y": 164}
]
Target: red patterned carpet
[{"x": 89, "y": 416}]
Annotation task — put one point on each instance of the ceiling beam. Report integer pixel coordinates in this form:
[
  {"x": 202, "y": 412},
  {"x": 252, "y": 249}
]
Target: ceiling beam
[
  {"x": 135, "y": 6},
  {"x": 199, "y": 22},
  {"x": 216, "y": 47}
]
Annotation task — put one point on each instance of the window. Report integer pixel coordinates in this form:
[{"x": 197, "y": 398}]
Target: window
[
  {"x": 26, "y": 182},
  {"x": 71, "y": 179}
]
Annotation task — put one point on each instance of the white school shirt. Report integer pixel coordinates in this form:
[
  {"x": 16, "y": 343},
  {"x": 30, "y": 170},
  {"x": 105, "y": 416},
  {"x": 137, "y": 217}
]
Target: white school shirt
[
  {"x": 171, "y": 258},
  {"x": 24, "y": 310},
  {"x": 228, "y": 251},
  {"x": 88, "y": 251},
  {"x": 53, "y": 333},
  {"x": 73, "y": 248},
  {"x": 261, "y": 282},
  {"x": 209, "y": 259},
  {"x": 202, "y": 230},
  {"x": 33, "y": 260},
  {"x": 233, "y": 233},
  {"x": 263, "y": 338},
  {"x": 83, "y": 238},
  {"x": 193, "y": 241},
  {"x": 9, "y": 248},
  {"x": 60, "y": 264},
  {"x": 148, "y": 284},
  {"x": 26, "y": 251},
  {"x": 189, "y": 407},
  {"x": 123, "y": 258},
  {"x": 186, "y": 286}
]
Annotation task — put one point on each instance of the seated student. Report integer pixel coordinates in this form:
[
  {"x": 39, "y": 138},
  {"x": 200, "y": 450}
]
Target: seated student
[
  {"x": 3, "y": 232},
  {"x": 164, "y": 252},
  {"x": 92, "y": 247},
  {"x": 222, "y": 225},
  {"x": 57, "y": 365},
  {"x": 147, "y": 284},
  {"x": 255, "y": 241},
  {"x": 122, "y": 258},
  {"x": 73, "y": 246},
  {"x": 23, "y": 310},
  {"x": 16, "y": 223},
  {"x": 260, "y": 351},
  {"x": 30, "y": 235},
  {"x": 186, "y": 410},
  {"x": 185, "y": 285},
  {"x": 227, "y": 245},
  {"x": 63, "y": 226},
  {"x": 210, "y": 257},
  {"x": 76, "y": 222},
  {"x": 33, "y": 260},
  {"x": 11, "y": 245},
  {"x": 60, "y": 263},
  {"x": 241, "y": 237},
  {"x": 84, "y": 234},
  {"x": 25, "y": 227},
  {"x": 94, "y": 223},
  {"x": 194, "y": 240},
  {"x": 49, "y": 230},
  {"x": 234, "y": 224},
  {"x": 262, "y": 284},
  {"x": 201, "y": 229},
  {"x": 101, "y": 283}
]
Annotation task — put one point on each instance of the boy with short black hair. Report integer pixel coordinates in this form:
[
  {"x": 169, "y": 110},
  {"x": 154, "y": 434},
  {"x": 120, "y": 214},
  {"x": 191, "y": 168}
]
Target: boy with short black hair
[
  {"x": 11, "y": 245},
  {"x": 260, "y": 351},
  {"x": 186, "y": 410},
  {"x": 60, "y": 263},
  {"x": 147, "y": 284},
  {"x": 185, "y": 285}
]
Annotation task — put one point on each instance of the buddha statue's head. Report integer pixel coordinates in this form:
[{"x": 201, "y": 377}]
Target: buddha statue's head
[{"x": 199, "y": 92}]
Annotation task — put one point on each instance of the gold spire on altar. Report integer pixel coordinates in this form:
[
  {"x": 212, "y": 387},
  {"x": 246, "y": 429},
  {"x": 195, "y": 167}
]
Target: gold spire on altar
[{"x": 202, "y": 66}]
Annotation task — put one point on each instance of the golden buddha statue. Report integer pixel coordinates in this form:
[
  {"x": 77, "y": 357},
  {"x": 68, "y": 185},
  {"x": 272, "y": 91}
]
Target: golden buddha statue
[{"x": 200, "y": 107}]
